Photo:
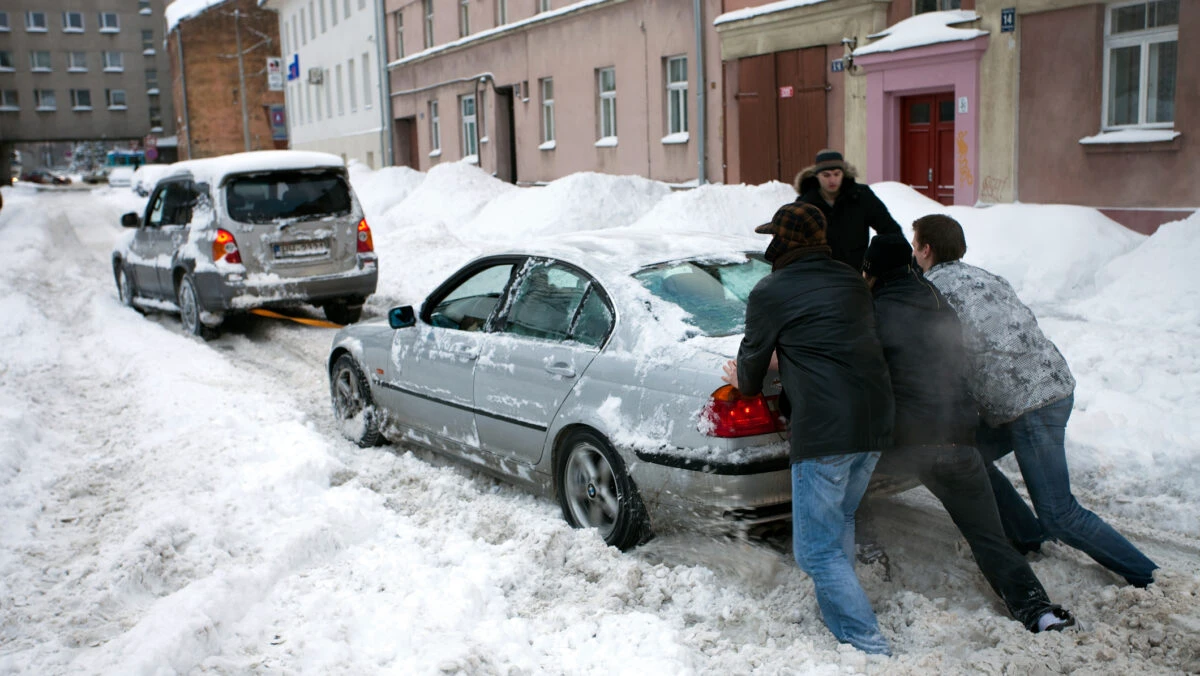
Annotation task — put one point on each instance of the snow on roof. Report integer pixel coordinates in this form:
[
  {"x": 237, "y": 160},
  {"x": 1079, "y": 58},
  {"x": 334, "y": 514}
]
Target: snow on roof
[
  {"x": 769, "y": 8},
  {"x": 185, "y": 9},
  {"x": 930, "y": 28},
  {"x": 212, "y": 170}
]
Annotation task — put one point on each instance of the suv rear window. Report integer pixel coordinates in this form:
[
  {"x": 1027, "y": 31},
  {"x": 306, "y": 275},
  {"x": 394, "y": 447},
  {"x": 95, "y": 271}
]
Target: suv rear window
[{"x": 287, "y": 195}]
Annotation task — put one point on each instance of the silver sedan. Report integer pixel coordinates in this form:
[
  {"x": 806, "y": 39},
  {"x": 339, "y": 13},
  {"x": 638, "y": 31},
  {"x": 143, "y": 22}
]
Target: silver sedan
[{"x": 587, "y": 370}]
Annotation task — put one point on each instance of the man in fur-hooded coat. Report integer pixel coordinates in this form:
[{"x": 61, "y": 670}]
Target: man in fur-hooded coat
[{"x": 850, "y": 209}]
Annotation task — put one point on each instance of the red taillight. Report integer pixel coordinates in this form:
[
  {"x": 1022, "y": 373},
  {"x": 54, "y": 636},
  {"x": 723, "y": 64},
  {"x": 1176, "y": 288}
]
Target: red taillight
[
  {"x": 365, "y": 243},
  {"x": 732, "y": 415},
  {"x": 225, "y": 247}
]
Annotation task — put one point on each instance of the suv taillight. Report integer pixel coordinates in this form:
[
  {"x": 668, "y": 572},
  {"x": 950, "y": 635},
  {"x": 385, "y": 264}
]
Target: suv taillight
[
  {"x": 225, "y": 247},
  {"x": 365, "y": 243},
  {"x": 732, "y": 415}
]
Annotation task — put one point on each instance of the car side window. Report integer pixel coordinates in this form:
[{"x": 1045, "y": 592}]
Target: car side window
[
  {"x": 546, "y": 300},
  {"x": 172, "y": 204},
  {"x": 594, "y": 321},
  {"x": 468, "y": 306},
  {"x": 154, "y": 219}
]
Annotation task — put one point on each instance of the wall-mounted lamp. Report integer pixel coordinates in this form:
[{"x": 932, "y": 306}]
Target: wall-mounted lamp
[{"x": 848, "y": 59}]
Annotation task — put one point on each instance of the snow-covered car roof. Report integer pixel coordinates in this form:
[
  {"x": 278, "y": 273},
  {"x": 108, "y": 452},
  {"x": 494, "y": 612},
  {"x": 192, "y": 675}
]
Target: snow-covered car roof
[{"x": 214, "y": 170}]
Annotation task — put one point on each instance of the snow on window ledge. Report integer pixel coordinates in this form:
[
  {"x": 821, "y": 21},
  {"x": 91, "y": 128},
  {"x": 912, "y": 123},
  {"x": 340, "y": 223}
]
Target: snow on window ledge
[
  {"x": 675, "y": 139},
  {"x": 148, "y": 52},
  {"x": 548, "y": 145},
  {"x": 1131, "y": 136},
  {"x": 471, "y": 159},
  {"x": 436, "y": 153},
  {"x": 606, "y": 142},
  {"x": 484, "y": 139}
]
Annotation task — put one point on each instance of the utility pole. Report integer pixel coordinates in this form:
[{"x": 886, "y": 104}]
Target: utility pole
[{"x": 237, "y": 30}]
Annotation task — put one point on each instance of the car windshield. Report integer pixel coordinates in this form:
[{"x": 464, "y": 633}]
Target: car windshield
[
  {"x": 714, "y": 294},
  {"x": 284, "y": 195}
]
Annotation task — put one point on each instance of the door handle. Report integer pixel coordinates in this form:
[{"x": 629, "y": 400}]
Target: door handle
[
  {"x": 468, "y": 352},
  {"x": 931, "y": 175},
  {"x": 561, "y": 368}
]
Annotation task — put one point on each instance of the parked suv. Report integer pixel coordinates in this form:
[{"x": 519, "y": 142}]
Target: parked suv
[{"x": 260, "y": 229}]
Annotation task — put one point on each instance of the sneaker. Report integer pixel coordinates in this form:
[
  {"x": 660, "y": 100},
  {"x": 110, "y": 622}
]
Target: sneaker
[{"x": 1055, "y": 619}]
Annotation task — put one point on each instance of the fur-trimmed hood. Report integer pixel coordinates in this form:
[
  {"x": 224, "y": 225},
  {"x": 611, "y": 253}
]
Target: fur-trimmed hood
[{"x": 807, "y": 178}]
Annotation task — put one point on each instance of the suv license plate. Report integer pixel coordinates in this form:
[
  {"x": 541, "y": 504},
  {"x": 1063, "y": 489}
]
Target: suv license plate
[{"x": 304, "y": 249}]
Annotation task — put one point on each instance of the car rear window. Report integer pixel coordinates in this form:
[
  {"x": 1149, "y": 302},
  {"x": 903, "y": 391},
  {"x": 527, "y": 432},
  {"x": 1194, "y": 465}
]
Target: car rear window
[
  {"x": 287, "y": 195},
  {"x": 713, "y": 294}
]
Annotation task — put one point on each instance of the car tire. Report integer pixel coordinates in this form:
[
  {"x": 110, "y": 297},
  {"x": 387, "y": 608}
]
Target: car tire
[
  {"x": 343, "y": 312},
  {"x": 353, "y": 407},
  {"x": 126, "y": 288},
  {"x": 595, "y": 491},
  {"x": 189, "y": 310}
]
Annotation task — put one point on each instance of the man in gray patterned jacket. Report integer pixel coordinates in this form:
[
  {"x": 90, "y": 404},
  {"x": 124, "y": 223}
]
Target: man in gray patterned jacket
[{"x": 1025, "y": 392}]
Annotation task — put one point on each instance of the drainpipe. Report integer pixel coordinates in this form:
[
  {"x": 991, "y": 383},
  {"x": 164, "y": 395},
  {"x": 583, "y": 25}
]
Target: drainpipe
[
  {"x": 183, "y": 88},
  {"x": 385, "y": 84},
  {"x": 701, "y": 97}
]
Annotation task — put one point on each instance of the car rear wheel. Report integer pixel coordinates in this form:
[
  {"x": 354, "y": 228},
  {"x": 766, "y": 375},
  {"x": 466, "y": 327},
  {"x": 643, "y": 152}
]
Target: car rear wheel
[
  {"x": 353, "y": 407},
  {"x": 125, "y": 287},
  {"x": 343, "y": 312},
  {"x": 189, "y": 310},
  {"x": 595, "y": 491}
]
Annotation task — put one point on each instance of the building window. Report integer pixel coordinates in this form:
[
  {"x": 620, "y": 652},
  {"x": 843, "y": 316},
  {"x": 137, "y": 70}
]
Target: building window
[
  {"x": 144, "y": 8},
  {"x": 303, "y": 33},
  {"x": 328, "y": 87},
  {"x": 77, "y": 62},
  {"x": 114, "y": 62},
  {"x": 115, "y": 99},
  {"x": 923, "y": 6},
  {"x": 72, "y": 22},
  {"x": 501, "y": 12},
  {"x": 308, "y": 103},
  {"x": 362, "y": 4},
  {"x": 470, "y": 130},
  {"x": 6, "y": 61},
  {"x": 366, "y": 60},
  {"x": 8, "y": 100},
  {"x": 464, "y": 18},
  {"x": 109, "y": 22},
  {"x": 435, "y": 129},
  {"x": 4, "y": 27},
  {"x": 312, "y": 21},
  {"x": 428, "y": 23},
  {"x": 543, "y": 6},
  {"x": 353, "y": 86},
  {"x": 333, "y": 13},
  {"x": 151, "y": 78},
  {"x": 43, "y": 99},
  {"x": 322, "y": 4},
  {"x": 399, "y": 35},
  {"x": 547, "y": 86},
  {"x": 677, "y": 95},
  {"x": 81, "y": 99},
  {"x": 347, "y": 8},
  {"x": 39, "y": 61},
  {"x": 35, "y": 22},
  {"x": 156, "y": 122},
  {"x": 606, "y": 87},
  {"x": 148, "y": 43},
  {"x": 1141, "y": 46},
  {"x": 340, "y": 94}
]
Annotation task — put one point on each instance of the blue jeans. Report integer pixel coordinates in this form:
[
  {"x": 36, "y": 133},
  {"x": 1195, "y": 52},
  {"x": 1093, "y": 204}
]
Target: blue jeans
[
  {"x": 1038, "y": 441},
  {"x": 825, "y": 494}
]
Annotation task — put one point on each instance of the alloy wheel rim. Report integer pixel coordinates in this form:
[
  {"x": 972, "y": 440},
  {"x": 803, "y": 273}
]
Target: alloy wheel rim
[
  {"x": 345, "y": 393},
  {"x": 591, "y": 489},
  {"x": 126, "y": 288}
]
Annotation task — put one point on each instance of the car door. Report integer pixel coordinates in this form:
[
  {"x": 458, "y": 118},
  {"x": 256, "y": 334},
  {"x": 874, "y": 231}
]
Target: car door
[
  {"x": 429, "y": 385},
  {"x": 550, "y": 331},
  {"x": 162, "y": 232},
  {"x": 146, "y": 244}
]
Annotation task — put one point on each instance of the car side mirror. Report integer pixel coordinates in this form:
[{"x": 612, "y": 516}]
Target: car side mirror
[
  {"x": 402, "y": 317},
  {"x": 130, "y": 220}
]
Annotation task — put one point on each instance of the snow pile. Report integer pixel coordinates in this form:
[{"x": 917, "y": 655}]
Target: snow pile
[
  {"x": 379, "y": 191},
  {"x": 730, "y": 209}
]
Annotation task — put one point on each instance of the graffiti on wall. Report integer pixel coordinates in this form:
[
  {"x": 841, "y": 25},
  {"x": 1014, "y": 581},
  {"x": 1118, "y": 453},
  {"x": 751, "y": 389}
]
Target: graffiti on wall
[
  {"x": 964, "y": 167},
  {"x": 992, "y": 189}
]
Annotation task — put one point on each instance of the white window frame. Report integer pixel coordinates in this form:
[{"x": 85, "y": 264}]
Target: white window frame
[
  {"x": 312, "y": 20},
  {"x": 341, "y": 94},
  {"x": 1144, "y": 39},
  {"x": 435, "y": 129},
  {"x": 428, "y": 10},
  {"x": 399, "y": 33},
  {"x": 542, "y": 6},
  {"x": 35, "y": 22},
  {"x": 501, "y": 12},
  {"x": 464, "y": 18},
  {"x": 12, "y": 65},
  {"x": 327, "y": 85},
  {"x": 76, "y": 104},
  {"x": 347, "y": 9},
  {"x": 321, "y": 4},
  {"x": 606, "y": 105},
  {"x": 9, "y": 100},
  {"x": 5, "y": 25},
  {"x": 366, "y": 71},
  {"x": 546, "y": 93},
  {"x": 470, "y": 126},
  {"x": 303, "y": 33},
  {"x": 351, "y": 76},
  {"x": 148, "y": 51},
  {"x": 111, "y": 96},
  {"x": 108, "y": 62},
  {"x": 44, "y": 100},
  {"x": 35, "y": 66},
  {"x": 70, "y": 26},
  {"x": 333, "y": 13},
  {"x": 114, "y": 26},
  {"x": 77, "y": 65},
  {"x": 677, "y": 97},
  {"x": 151, "y": 82}
]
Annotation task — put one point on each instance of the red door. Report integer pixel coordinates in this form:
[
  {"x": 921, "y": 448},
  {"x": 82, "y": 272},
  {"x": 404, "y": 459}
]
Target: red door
[{"x": 927, "y": 145}]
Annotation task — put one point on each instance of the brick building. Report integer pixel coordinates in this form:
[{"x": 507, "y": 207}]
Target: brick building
[{"x": 208, "y": 78}]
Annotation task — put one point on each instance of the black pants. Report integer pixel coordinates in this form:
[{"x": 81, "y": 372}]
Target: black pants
[{"x": 956, "y": 475}]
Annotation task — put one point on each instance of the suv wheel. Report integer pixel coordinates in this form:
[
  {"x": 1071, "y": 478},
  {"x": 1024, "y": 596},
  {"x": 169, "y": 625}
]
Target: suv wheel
[
  {"x": 343, "y": 311},
  {"x": 189, "y": 310}
]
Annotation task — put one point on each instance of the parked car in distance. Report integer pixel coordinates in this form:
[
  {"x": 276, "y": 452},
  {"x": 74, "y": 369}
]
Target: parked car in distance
[
  {"x": 45, "y": 177},
  {"x": 145, "y": 176},
  {"x": 96, "y": 176},
  {"x": 120, "y": 177},
  {"x": 587, "y": 369},
  {"x": 262, "y": 229}
]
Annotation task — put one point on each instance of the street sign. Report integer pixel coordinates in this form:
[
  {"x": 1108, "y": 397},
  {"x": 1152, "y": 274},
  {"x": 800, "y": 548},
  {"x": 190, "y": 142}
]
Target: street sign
[
  {"x": 275, "y": 73},
  {"x": 294, "y": 68},
  {"x": 837, "y": 65},
  {"x": 787, "y": 92},
  {"x": 151, "y": 154},
  {"x": 1008, "y": 19},
  {"x": 150, "y": 141}
]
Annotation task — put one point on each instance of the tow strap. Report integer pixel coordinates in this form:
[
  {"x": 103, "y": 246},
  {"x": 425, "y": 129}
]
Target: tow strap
[{"x": 299, "y": 320}]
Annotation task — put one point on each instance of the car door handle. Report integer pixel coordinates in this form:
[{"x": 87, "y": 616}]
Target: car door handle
[
  {"x": 561, "y": 368},
  {"x": 468, "y": 352}
]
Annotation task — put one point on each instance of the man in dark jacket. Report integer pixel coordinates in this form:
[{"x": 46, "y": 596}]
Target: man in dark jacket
[
  {"x": 850, "y": 209},
  {"x": 936, "y": 420},
  {"x": 816, "y": 314}
]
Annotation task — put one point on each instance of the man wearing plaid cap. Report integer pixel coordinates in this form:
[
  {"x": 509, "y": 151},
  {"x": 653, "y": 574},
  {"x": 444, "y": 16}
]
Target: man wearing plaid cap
[{"x": 816, "y": 315}]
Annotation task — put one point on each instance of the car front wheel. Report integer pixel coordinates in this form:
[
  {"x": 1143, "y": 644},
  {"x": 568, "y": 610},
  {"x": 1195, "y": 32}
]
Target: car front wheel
[
  {"x": 189, "y": 310},
  {"x": 595, "y": 491},
  {"x": 353, "y": 407}
]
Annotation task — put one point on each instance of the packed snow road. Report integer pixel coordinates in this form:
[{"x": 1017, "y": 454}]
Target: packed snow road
[{"x": 176, "y": 506}]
